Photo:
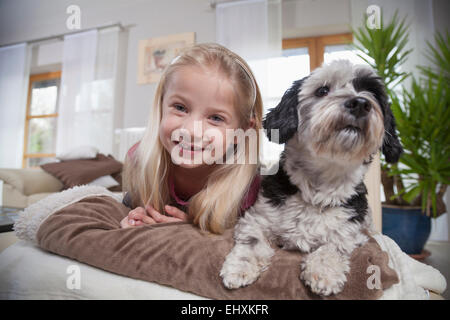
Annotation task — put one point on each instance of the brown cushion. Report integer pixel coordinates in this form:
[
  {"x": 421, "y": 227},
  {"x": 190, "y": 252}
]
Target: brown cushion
[
  {"x": 118, "y": 177},
  {"x": 180, "y": 255},
  {"x": 78, "y": 172}
]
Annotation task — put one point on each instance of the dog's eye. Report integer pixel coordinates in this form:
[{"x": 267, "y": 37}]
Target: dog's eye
[{"x": 322, "y": 91}]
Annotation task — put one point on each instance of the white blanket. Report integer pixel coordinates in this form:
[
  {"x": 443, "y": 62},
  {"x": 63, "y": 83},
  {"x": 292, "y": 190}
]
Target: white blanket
[
  {"x": 416, "y": 278},
  {"x": 28, "y": 272}
]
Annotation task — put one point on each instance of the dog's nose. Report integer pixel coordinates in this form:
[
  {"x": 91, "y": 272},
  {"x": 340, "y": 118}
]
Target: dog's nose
[{"x": 358, "y": 106}]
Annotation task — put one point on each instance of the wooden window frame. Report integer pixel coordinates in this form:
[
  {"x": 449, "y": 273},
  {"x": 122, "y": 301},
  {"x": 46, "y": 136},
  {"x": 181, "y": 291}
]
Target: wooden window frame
[
  {"x": 28, "y": 117},
  {"x": 316, "y": 45}
]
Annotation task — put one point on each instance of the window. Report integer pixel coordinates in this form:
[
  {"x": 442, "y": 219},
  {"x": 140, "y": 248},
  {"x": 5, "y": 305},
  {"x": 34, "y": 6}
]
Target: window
[
  {"x": 41, "y": 118},
  {"x": 341, "y": 51},
  {"x": 325, "y": 48},
  {"x": 282, "y": 72}
]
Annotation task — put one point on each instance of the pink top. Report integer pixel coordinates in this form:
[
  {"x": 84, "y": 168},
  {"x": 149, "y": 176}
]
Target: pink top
[
  {"x": 174, "y": 195},
  {"x": 249, "y": 200},
  {"x": 252, "y": 194},
  {"x": 132, "y": 151}
]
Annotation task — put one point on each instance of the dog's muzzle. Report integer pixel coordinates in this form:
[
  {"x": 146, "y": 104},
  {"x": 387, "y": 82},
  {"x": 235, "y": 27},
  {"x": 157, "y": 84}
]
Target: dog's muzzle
[{"x": 358, "y": 106}]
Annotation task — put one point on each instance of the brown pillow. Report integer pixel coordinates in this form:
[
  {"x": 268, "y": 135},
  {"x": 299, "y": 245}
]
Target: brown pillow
[
  {"x": 180, "y": 255},
  {"x": 78, "y": 172},
  {"x": 118, "y": 177}
]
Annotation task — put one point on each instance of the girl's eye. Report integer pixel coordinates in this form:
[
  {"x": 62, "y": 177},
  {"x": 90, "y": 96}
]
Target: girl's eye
[
  {"x": 322, "y": 91},
  {"x": 217, "y": 118},
  {"x": 179, "y": 107}
]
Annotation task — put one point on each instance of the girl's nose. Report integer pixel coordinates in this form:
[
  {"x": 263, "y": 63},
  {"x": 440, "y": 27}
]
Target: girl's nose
[{"x": 194, "y": 128}]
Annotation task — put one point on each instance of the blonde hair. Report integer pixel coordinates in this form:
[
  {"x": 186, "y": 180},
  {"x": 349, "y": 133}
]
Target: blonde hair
[{"x": 218, "y": 204}]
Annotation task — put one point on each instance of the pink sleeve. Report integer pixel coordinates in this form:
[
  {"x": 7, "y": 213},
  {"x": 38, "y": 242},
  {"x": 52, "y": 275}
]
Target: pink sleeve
[
  {"x": 252, "y": 194},
  {"x": 132, "y": 151}
]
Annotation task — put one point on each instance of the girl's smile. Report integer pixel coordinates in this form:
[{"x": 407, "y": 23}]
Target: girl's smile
[{"x": 189, "y": 150}]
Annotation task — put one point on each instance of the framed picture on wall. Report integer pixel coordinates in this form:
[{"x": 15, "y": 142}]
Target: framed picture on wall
[{"x": 156, "y": 53}]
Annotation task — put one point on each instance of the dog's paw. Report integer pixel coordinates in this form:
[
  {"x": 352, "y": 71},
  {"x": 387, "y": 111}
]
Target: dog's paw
[
  {"x": 236, "y": 274},
  {"x": 325, "y": 275},
  {"x": 323, "y": 284}
]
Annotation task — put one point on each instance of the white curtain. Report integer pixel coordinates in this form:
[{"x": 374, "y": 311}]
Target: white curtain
[
  {"x": 86, "y": 105},
  {"x": 14, "y": 74},
  {"x": 252, "y": 29}
]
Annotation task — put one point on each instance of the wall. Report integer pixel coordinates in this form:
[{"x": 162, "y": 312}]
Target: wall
[
  {"x": 441, "y": 9},
  {"x": 305, "y": 18}
]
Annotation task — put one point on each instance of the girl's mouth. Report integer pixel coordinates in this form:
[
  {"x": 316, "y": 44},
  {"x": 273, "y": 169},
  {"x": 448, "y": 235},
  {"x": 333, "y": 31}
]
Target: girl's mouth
[{"x": 189, "y": 147}]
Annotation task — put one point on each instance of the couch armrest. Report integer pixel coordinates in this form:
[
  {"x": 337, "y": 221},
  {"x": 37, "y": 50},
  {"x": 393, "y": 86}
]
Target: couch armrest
[
  {"x": 11, "y": 177},
  {"x": 30, "y": 181}
]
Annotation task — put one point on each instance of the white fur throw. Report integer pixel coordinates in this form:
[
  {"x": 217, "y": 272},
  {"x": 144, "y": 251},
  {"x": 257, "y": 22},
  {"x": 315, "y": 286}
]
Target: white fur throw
[
  {"x": 415, "y": 278},
  {"x": 31, "y": 218}
]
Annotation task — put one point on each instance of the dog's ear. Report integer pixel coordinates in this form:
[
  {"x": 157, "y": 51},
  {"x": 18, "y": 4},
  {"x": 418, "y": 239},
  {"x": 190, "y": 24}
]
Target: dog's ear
[
  {"x": 365, "y": 80},
  {"x": 284, "y": 117},
  {"x": 392, "y": 148}
]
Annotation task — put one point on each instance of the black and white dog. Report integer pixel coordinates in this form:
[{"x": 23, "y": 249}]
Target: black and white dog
[{"x": 332, "y": 123}]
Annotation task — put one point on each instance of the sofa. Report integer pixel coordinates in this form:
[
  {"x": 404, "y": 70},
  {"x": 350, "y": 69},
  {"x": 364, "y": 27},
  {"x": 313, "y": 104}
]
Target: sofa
[{"x": 22, "y": 187}]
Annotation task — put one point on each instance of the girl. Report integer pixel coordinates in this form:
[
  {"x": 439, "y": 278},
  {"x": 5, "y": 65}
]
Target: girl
[{"x": 211, "y": 88}]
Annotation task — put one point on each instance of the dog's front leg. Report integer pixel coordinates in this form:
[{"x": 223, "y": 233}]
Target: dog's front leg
[
  {"x": 250, "y": 256},
  {"x": 244, "y": 264},
  {"x": 324, "y": 270}
]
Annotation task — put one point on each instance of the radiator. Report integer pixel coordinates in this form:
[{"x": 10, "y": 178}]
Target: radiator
[{"x": 125, "y": 139}]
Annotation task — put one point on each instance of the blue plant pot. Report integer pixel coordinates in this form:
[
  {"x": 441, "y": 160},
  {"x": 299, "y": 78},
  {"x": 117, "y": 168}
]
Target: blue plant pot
[{"x": 409, "y": 228}]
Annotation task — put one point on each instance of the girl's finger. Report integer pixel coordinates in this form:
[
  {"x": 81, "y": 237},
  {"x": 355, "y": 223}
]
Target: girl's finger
[
  {"x": 140, "y": 219},
  {"x": 135, "y": 223},
  {"x": 136, "y": 215},
  {"x": 176, "y": 213},
  {"x": 124, "y": 223},
  {"x": 138, "y": 210},
  {"x": 158, "y": 217}
]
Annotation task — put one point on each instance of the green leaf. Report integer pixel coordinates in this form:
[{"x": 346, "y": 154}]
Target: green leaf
[{"x": 412, "y": 194}]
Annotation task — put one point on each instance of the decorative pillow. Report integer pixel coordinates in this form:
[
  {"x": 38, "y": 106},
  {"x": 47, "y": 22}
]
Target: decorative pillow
[
  {"x": 118, "y": 177},
  {"x": 78, "y": 172},
  {"x": 82, "y": 152}
]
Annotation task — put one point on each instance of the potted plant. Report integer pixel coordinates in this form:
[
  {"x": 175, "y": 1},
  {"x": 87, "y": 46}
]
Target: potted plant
[{"x": 413, "y": 188}]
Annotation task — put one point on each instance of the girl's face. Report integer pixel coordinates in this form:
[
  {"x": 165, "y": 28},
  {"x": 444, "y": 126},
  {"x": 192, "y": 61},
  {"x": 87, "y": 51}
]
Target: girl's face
[{"x": 198, "y": 108}]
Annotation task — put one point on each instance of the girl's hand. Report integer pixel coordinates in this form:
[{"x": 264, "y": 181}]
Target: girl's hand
[
  {"x": 176, "y": 214},
  {"x": 135, "y": 218}
]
